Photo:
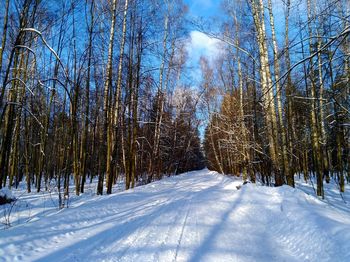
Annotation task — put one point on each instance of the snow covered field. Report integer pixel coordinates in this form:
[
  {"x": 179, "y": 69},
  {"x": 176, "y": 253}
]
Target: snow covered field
[{"x": 197, "y": 216}]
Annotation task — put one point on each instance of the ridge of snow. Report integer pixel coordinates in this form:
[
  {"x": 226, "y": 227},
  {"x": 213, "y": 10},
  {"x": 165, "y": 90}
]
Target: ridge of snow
[{"x": 7, "y": 193}]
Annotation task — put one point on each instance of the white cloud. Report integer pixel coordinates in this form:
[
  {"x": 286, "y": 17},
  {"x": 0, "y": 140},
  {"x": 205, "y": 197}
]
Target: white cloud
[{"x": 199, "y": 44}]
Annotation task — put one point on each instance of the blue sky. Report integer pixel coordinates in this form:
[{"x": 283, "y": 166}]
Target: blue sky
[
  {"x": 201, "y": 45},
  {"x": 198, "y": 43},
  {"x": 205, "y": 8}
]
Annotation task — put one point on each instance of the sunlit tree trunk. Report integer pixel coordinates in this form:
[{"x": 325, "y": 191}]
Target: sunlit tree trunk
[
  {"x": 106, "y": 136},
  {"x": 291, "y": 136},
  {"x": 245, "y": 152},
  {"x": 213, "y": 145},
  {"x": 115, "y": 112},
  {"x": 135, "y": 106},
  {"x": 287, "y": 173},
  {"x": 18, "y": 89},
  {"x": 83, "y": 145},
  {"x": 267, "y": 89},
  {"x": 314, "y": 127},
  {"x": 74, "y": 114}
]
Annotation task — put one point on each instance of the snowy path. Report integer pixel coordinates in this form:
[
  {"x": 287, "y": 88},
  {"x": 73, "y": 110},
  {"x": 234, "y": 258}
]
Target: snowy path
[{"x": 198, "y": 216}]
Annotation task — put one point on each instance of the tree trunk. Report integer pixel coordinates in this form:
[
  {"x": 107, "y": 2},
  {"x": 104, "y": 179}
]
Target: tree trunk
[
  {"x": 115, "y": 110},
  {"x": 83, "y": 145},
  {"x": 287, "y": 173},
  {"x": 106, "y": 105},
  {"x": 267, "y": 90},
  {"x": 4, "y": 33},
  {"x": 314, "y": 127},
  {"x": 323, "y": 135},
  {"x": 160, "y": 103},
  {"x": 291, "y": 134}
]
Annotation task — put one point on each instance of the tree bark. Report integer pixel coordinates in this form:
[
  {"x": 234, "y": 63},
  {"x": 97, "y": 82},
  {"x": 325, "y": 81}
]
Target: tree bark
[
  {"x": 160, "y": 104},
  {"x": 105, "y": 139},
  {"x": 314, "y": 127},
  {"x": 83, "y": 145},
  {"x": 115, "y": 113},
  {"x": 267, "y": 91},
  {"x": 286, "y": 170},
  {"x": 4, "y": 33}
]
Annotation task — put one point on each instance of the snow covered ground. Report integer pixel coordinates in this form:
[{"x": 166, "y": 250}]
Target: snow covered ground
[{"x": 197, "y": 216}]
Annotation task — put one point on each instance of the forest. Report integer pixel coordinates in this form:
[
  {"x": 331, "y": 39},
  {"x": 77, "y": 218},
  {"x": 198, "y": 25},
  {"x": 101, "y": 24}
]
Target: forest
[
  {"x": 101, "y": 89},
  {"x": 175, "y": 130}
]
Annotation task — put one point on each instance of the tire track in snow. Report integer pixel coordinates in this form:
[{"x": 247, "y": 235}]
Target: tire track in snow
[
  {"x": 147, "y": 230},
  {"x": 182, "y": 230},
  {"x": 171, "y": 231},
  {"x": 148, "y": 238},
  {"x": 138, "y": 235}
]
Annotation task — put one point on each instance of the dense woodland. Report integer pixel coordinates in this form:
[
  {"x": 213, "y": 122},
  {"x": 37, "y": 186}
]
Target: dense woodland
[
  {"x": 284, "y": 108},
  {"x": 99, "y": 89}
]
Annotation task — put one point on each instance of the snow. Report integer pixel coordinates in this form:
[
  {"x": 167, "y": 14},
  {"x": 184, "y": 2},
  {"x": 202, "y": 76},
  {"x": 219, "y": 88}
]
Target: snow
[
  {"x": 6, "y": 193},
  {"x": 197, "y": 216}
]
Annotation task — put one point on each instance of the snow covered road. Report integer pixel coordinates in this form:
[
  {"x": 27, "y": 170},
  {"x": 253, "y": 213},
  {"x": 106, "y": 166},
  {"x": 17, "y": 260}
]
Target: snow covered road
[{"x": 198, "y": 216}]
